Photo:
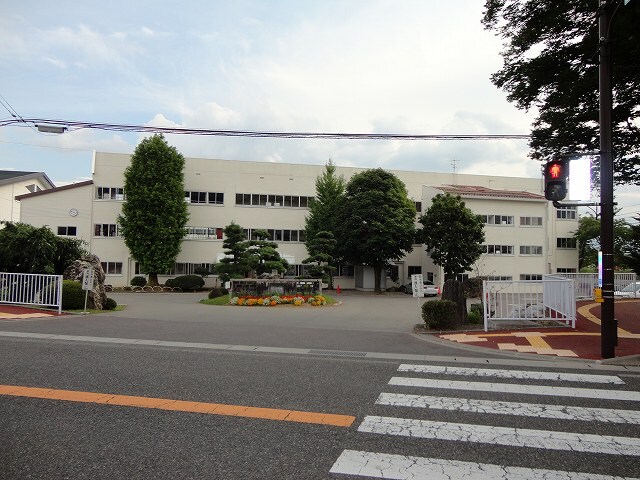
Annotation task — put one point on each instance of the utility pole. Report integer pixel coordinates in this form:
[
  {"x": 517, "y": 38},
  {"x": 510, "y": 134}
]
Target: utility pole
[{"x": 608, "y": 328}]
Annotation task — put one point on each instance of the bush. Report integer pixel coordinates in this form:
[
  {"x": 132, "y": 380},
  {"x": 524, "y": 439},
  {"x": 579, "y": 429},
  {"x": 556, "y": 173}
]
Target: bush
[
  {"x": 475, "y": 315},
  {"x": 439, "y": 314},
  {"x": 202, "y": 271},
  {"x": 138, "y": 281},
  {"x": 186, "y": 282},
  {"x": 473, "y": 287},
  {"x": 217, "y": 292},
  {"x": 72, "y": 295},
  {"x": 110, "y": 304}
]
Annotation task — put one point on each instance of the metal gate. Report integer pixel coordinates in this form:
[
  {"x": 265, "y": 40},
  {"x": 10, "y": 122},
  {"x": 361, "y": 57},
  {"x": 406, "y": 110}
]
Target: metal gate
[{"x": 522, "y": 302}]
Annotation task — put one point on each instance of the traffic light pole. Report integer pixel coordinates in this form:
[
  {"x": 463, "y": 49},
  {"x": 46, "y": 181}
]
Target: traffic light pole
[{"x": 608, "y": 327}]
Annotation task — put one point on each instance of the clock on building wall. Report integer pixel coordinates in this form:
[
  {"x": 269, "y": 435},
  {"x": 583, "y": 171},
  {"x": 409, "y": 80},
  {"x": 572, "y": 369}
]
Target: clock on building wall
[{"x": 73, "y": 212}]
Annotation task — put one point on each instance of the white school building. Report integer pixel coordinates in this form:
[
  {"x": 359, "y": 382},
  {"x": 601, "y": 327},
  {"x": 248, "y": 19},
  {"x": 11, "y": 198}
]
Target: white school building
[{"x": 526, "y": 236}]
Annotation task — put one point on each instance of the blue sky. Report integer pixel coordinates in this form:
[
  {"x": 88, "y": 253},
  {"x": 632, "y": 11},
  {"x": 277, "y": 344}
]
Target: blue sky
[{"x": 410, "y": 66}]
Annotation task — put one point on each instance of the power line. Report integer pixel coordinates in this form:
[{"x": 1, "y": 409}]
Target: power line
[{"x": 77, "y": 125}]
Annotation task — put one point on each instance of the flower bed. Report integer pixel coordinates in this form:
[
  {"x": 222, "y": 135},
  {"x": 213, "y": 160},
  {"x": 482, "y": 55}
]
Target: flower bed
[{"x": 272, "y": 301}]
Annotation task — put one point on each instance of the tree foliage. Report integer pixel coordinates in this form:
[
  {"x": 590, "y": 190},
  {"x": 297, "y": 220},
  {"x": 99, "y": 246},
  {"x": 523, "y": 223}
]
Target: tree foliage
[
  {"x": 588, "y": 237},
  {"x": 375, "y": 221},
  {"x": 322, "y": 211},
  {"x": 631, "y": 249},
  {"x": 551, "y": 64},
  {"x": 262, "y": 254},
  {"x": 322, "y": 250},
  {"x": 154, "y": 213},
  {"x": 27, "y": 249},
  {"x": 452, "y": 233},
  {"x": 235, "y": 263}
]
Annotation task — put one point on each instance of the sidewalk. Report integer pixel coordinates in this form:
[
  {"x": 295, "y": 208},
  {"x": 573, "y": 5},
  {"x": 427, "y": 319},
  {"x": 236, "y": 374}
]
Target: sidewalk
[
  {"x": 15, "y": 312},
  {"x": 581, "y": 342}
]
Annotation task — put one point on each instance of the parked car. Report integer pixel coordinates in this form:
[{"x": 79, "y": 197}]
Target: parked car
[
  {"x": 430, "y": 290},
  {"x": 631, "y": 290}
]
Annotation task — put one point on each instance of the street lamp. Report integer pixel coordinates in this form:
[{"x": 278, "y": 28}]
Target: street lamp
[{"x": 51, "y": 129}]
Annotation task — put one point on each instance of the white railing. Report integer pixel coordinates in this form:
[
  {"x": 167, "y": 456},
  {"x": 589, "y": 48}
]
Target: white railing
[
  {"x": 31, "y": 289},
  {"x": 586, "y": 282},
  {"x": 552, "y": 299}
]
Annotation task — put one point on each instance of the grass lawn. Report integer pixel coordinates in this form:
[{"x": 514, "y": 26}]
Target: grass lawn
[{"x": 119, "y": 308}]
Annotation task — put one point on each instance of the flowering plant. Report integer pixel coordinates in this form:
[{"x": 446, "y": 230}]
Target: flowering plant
[{"x": 273, "y": 300}]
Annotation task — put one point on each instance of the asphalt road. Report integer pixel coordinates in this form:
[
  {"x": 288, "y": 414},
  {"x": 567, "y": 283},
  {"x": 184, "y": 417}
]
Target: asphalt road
[{"x": 42, "y": 438}]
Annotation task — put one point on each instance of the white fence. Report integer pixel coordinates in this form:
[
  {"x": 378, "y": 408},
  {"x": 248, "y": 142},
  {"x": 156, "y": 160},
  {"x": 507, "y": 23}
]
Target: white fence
[
  {"x": 552, "y": 299},
  {"x": 31, "y": 289},
  {"x": 586, "y": 282}
]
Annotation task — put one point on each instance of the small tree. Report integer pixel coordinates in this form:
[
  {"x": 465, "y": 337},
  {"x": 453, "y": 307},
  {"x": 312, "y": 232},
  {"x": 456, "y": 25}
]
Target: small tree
[
  {"x": 588, "y": 237},
  {"x": 452, "y": 233},
  {"x": 236, "y": 263},
  {"x": 631, "y": 250},
  {"x": 154, "y": 214},
  {"x": 263, "y": 254},
  {"x": 27, "y": 249},
  {"x": 375, "y": 221},
  {"x": 321, "y": 250}
]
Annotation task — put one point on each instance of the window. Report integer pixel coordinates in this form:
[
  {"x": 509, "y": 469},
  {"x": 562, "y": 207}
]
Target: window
[
  {"x": 414, "y": 270},
  {"x": 109, "y": 193},
  {"x": 418, "y": 206},
  {"x": 565, "y": 270},
  {"x": 212, "y": 198},
  {"x": 345, "y": 271},
  {"x": 273, "y": 200},
  {"x": 566, "y": 243},
  {"x": 530, "y": 221},
  {"x": 497, "y": 219},
  {"x": 498, "y": 249},
  {"x": 188, "y": 268},
  {"x": 530, "y": 276},
  {"x": 461, "y": 277},
  {"x": 567, "y": 213},
  {"x": 69, "y": 231},
  {"x": 530, "y": 250},
  {"x": 106, "y": 230},
  {"x": 203, "y": 233},
  {"x": 112, "y": 268},
  {"x": 500, "y": 278}
]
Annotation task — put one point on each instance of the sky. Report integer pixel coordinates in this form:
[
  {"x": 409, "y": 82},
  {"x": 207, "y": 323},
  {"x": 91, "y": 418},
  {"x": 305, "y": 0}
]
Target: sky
[{"x": 345, "y": 66}]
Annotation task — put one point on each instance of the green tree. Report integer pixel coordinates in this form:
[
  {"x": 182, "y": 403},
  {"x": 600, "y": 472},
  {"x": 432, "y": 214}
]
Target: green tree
[
  {"x": 588, "y": 237},
  {"x": 452, "y": 233},
  {"x": 154, "y": 213},
  {"x": 321, "y": 250},
  {"x": 631, "y": 249},
  {"x": 263, "y": 254},
  {"x": 235, "y": 264},
  {"x": 27, "y": 249},
  {"x": 551, "y": 65},
  {"x": 322, "y": 211},
  {"x": 375, "y": 221}
]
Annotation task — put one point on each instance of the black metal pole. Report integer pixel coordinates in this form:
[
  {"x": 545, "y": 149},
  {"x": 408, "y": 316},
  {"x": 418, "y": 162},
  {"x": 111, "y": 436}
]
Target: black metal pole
[{"x": 607, "y": 327}]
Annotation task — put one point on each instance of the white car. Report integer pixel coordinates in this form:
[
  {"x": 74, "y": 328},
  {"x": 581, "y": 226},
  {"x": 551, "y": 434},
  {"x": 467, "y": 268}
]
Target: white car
[
  {"x": 631, "y": 290},
  {"x": 430, "y": 290}
]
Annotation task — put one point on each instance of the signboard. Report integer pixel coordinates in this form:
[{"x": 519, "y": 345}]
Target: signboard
[
  {"x": 417, "y": 285},
  {"x": 87, "y": 279}
]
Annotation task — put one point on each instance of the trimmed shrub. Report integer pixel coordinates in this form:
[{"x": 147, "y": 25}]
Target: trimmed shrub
[
  {"x": 473, "y": 287},
  {"x": 475, "y": 316},
  {"x": 202, "y": 271},
  {"x": 110, "y": 304},
  {"x": 72, "y": 295},
  {"x": 217, "y": 292},
  {"x": 186, "y": 282},
  {"x": 138, "y": 281},
  {"x": 439, "y": 314}
]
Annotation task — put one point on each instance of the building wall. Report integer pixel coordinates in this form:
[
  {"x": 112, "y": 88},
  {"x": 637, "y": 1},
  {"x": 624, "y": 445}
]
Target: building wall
[
  {"x": 274, "y": 179},
  {"x": 9, "y": 207}
]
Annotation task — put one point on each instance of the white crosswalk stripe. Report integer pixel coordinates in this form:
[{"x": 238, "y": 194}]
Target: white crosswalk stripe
[
  {"x": 517, "y": 374},
  {"x": 403, "y": 467},
  {"x": 536, "y": 410},
  {"x": 390, "y": 465}
]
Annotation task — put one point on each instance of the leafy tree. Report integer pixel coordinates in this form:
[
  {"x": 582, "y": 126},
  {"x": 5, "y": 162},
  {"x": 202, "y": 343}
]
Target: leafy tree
[
  {"x": 551, "y": 64},
  {"x": 263, "y": 254},
  {"x": 588, "y": 237},
  {"x": 321, "y": 250},
  {"x": 236, "y": 263},
  {"x": 154, "y": 213},
  {"x": 375, "y": 221},
  {"x": 27, "y": 249},
  {"x": 631, "y": 250},
  {"x": 323, "y": 208},
  {"x": 452, "y": 233}
]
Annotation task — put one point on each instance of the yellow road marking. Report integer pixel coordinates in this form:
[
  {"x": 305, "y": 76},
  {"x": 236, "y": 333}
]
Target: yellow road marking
[
  {"x": 585, "y": 311},
  {"x": 179, "y": 405},
  {"x": 537, "y": 341}
]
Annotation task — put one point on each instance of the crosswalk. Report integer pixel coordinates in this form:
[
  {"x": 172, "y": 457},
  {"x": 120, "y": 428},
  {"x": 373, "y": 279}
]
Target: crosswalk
[{"x": 588, "y": 421}]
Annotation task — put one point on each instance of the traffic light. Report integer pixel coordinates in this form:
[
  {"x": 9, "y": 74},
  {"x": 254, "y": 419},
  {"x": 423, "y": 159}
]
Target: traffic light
[{"x": 556, "y": 174}]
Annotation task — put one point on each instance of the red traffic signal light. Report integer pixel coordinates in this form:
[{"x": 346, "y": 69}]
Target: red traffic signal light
[{"x": 556, "y": 174}]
